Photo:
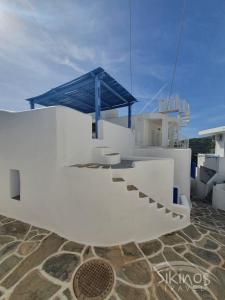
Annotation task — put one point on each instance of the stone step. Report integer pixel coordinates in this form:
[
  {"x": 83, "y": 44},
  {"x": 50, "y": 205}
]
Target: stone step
[
  {"x": 142, "y": 195},
  {"x": 151, "y": 200},
  {"x": 89, "y": 165},
  {"x": 159, "y": 205},
  {"x": 105, "y": 155},
  {"x": 117, "y": 179},
  {"x": 93, "y": 166},
  {"x": 106, "y": 167},
  {"x": 112, "y": 154},
  {"x": 131, "y": 187},
  {"x": 79, "y": 166}
]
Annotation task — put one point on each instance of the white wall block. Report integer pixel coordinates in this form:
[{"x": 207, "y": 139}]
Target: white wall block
[{"x": 84, "y": 204}]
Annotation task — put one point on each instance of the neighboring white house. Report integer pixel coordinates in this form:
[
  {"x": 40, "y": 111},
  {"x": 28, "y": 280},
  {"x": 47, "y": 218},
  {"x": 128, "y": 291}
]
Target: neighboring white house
[
  {"x": 211, "y": 169},
  {"x": 99, "y": 191},
  {"x": 158, "y": 128}
]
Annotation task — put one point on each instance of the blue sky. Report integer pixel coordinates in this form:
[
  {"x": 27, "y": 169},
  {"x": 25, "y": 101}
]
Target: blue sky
[{"x": 46, "y": 43}]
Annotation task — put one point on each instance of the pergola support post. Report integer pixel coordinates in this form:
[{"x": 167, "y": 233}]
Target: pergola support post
[
  {"x": 97, "y": 105},
  {"x": 129, "y": 115},
  {"x": 32, "y": 104}
]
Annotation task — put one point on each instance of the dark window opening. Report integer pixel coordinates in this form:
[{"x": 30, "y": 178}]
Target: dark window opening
[
  {"x": 93, "y": 131},
  {"x": 14, "y": 184}
]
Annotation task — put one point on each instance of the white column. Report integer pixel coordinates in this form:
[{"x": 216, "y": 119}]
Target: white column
[
  {"x": 165, "y": 141},
  {"x": 220, "y": 145}
]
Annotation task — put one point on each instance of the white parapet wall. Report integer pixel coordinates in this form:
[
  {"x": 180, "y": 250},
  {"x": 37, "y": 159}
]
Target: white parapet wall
[
  {"x": 120, "y": 138},
  {"x": 182, "y": 164},
  {"x": 28, "y": 139},
  {"x": 221, "y": 169},
  {"x": 207, "y": 163},
  {"x": 210, "y": 161},
  {"x": 218, "y": 200},
  {"x": 74, "y": 136},
  {"x": 220, "y": 144}
]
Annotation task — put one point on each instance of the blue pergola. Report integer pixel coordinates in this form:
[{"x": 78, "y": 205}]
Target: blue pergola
[{"x": 93, "y": 92}]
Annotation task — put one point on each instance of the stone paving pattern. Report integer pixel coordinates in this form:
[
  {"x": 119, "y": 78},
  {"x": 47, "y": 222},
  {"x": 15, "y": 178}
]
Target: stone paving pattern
[{"x": 38, "y": 264}]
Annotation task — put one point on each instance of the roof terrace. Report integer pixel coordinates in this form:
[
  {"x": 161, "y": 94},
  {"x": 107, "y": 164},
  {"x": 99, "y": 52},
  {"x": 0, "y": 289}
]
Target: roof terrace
[{"x": 92, "y": 92}]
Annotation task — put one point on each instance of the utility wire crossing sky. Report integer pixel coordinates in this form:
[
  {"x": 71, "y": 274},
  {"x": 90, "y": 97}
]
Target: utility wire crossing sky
[{"x": 47, "y": 43}]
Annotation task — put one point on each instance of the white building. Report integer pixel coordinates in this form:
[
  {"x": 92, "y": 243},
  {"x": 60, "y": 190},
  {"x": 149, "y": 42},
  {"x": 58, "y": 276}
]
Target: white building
[
  {"x": 107, "y": 190},
  {"x": 151, "y": 129},
  {"x": 211, "y": 169}
]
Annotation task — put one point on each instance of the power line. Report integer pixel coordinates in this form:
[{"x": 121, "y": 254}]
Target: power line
[
  {"x": 131, "y": 67},
  {"x": 153, "y": 98},
  {"x": 178, "y": 46}
]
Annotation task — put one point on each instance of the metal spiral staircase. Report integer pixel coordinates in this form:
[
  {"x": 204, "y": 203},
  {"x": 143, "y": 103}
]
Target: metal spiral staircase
[{"x": 182, "y": 108}]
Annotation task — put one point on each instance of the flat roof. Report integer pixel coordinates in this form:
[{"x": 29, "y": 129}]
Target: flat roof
[
  {"x": 212, "y": 131},
  {"x": 79, "y": 93}
]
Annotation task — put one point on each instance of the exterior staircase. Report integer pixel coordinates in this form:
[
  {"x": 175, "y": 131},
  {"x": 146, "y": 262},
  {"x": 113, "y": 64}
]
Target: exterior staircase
[
  {"x": 152, "y": 203},
  {"x": 132, "y": 188},
  {"x": 106, "y": 155},
  {"x": 125, "y": 211}
]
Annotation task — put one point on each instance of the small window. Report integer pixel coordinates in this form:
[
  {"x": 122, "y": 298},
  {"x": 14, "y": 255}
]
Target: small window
[
  {"x": 14, "y": 184},
  {"x": 93, "y": 131}
]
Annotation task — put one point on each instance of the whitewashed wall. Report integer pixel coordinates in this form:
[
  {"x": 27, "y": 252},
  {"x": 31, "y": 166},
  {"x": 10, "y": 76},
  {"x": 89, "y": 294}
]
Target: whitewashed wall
[
  {"x": 86, "y": 206},
  {"x": 209, "y": 161},
  {"x": 215, "y": 163},
  {"x": 74, "y": 136},
  {"x": 220, "y": 146},
  {"x": 182, "y": 164},
  {"x": 165, "y": 132},
  {"x": 221, "y": 169},
  {"x": 28, "y": 138},
  {"x": 28, "y": 144},
  {"x": 119, "y": 138},
  {"x": 113, "y": 215},
  {"x": 154, "y": 177},
  {"x": 146, "y": 127},
  {"x": 218, "y": 199},
  {"x": 81, "y": 204}
]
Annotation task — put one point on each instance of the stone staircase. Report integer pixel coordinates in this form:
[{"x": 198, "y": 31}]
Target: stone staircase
[
  {"x": 106, "y": 155},
  {"x": 147, "y": 201},
  {"x": 131, "y": 213},
  {"x": 152, "y": 203}
]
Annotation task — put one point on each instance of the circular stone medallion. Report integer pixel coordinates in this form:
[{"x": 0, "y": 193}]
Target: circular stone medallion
[{"x": 93, "y": 280}]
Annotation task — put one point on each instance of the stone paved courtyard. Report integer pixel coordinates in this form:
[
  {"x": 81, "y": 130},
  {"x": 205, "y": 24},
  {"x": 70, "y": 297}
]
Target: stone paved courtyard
[{"x": 38, "y": 264}]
